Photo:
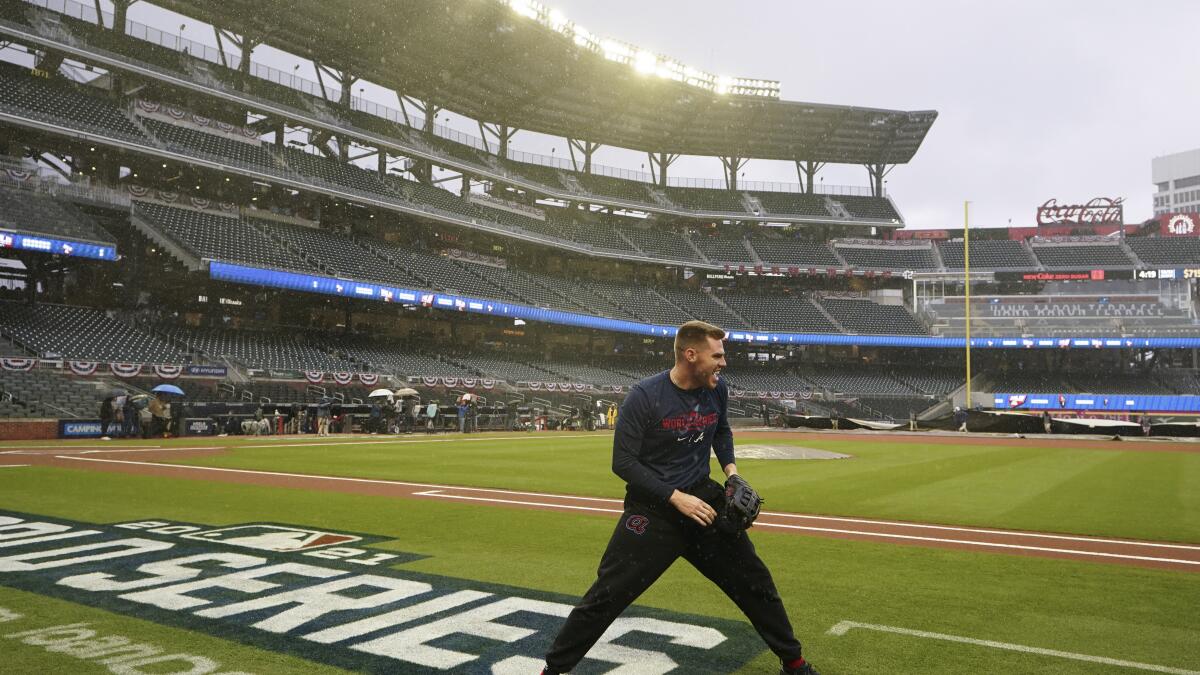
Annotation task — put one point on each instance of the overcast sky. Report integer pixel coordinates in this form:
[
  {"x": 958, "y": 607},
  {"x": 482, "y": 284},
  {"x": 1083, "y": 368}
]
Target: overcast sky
[
  {"x": 1036, "y": 99},
  {"x": 1062, "y": 99}
]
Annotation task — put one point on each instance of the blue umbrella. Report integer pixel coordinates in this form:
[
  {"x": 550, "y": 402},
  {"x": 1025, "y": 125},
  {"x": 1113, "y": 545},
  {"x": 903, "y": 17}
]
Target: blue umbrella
[{"x": 168, "y": 389}]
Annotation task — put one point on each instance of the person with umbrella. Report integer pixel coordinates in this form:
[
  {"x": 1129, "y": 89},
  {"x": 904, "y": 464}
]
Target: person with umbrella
[
  {"x": 162, "y": 412},
  {"x": 404, "y": 421}
]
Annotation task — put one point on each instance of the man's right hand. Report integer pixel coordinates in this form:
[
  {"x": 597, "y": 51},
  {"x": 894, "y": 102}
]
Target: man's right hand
[{"x": 693, "y": 507}]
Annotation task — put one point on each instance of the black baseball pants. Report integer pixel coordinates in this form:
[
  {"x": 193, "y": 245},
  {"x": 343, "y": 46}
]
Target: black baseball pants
[{"x": 647, "y": 540}]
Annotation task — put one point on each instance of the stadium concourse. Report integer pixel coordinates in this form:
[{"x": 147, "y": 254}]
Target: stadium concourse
[{"x": 183, "y": 214}]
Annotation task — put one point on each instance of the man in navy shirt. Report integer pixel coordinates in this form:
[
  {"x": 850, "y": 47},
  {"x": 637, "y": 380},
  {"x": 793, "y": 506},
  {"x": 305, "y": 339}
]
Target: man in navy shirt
[{"x": 667, "y": 427}]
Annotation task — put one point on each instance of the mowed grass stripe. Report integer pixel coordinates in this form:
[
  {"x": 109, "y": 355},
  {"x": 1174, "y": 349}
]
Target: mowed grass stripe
[
  {"x": 1128, "y": 494},
  {"x": 1145, "y": 494},
  {"x": 1106, "y": 610}
]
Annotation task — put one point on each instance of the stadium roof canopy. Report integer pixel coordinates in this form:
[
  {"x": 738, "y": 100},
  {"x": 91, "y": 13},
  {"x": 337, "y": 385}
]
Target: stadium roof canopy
[{"x": 481, "y": 59}]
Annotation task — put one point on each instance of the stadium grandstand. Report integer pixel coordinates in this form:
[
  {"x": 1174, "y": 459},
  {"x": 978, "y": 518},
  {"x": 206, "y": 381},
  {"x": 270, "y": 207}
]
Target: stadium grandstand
[{"x": 172, "y": 211}]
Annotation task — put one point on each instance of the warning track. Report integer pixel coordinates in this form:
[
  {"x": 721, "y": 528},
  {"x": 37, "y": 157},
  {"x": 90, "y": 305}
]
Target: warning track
[{"x": 147, "y": 461}]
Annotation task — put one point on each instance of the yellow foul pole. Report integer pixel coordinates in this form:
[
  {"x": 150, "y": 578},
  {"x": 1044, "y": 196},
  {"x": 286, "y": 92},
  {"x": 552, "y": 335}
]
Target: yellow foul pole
[{"x": 967, "y": 282}]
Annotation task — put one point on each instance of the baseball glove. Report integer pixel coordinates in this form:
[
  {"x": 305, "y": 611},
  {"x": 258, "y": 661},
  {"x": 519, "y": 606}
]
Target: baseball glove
[{"x": 741, "y": 507}]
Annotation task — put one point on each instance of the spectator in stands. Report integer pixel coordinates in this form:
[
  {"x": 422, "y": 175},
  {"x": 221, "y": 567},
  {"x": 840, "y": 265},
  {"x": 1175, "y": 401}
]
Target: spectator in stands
[
  {"x": 960, "y": 418},
  {"x": 106, "y": 418}
]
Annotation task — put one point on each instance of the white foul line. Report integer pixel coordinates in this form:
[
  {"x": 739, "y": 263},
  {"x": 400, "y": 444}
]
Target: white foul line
[
  {"x": 13, "y": 466},
  {"x": 843, "y": 627},
  {"x": 989, "y": 544},
  {"x": 516, "y": 502},
  {"x": 982, "y": 530},
  {"x": 436, "y": 493}
]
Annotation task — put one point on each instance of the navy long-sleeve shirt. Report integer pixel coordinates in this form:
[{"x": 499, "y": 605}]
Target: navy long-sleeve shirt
[{"x": 664, "y": 435}]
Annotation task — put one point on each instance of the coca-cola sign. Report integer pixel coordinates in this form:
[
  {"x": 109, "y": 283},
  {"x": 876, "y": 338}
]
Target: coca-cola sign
[{"x": 1099, "y": 210}]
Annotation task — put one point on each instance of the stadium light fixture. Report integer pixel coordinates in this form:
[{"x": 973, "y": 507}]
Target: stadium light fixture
[
  {"x": 558, "y": 21},
  {"x": 644, "y": 62},
  {"x": 527, "y": 8}
]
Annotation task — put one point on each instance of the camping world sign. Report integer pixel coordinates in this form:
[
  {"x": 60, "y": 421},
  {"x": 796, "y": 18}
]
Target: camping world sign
[{"x": 328, "y": 597}]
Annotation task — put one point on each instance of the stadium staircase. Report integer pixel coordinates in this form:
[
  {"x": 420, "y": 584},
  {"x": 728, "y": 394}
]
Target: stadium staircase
[
  {"x": 1032, "y": 255},
  {"x": 936, "y": 251},
  {"x": 165, "y": 242},
  {"x": 752, "y": 253},
  {"x": 1131, "y": 254},
  {"x": 824, "y": 312}
]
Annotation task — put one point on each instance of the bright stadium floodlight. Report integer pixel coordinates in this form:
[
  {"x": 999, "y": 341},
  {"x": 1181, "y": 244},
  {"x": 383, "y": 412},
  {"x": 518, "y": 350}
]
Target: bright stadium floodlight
[
  {"x": 616, "y": 51},
  {"x": 584, "y": 39},
  {"x": 558, "y": 20},
  {"x": 644, "y": 62},
  {"x": 526, "y": 8}
]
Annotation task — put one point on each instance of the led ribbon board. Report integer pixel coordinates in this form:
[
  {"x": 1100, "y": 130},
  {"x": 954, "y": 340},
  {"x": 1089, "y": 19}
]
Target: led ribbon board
[
  {"x": 78, "y": 249},
  {"x": 1098, "y": 402},
  {"x": 309, "y": 283}
]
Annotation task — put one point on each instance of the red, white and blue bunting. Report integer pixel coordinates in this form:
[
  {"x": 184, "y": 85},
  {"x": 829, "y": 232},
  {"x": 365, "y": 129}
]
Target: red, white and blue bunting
[
  {"x": 200, "y": 203},
  {"x": 314, "y": 375},
  {"x": 125, "y": 369},
  {"x": 806, "y": 395},
  {"x": 83, "y": 367},
  {"x": 148, "y": 106},
  {"x": 18, "y": 364},
  {"x": 466, "y": 382},
  {"x": 19, "y": 175},
  {"x": 137, "y": 190},
  {"x": 169, "y": 197},
  {"x": 561, "y": 386},
  {"x": 342, "y": 378},
  {"x": 167, "y": 372},
  {"x": 228, "y": 207},
  {"x": 369, "y": 379}
]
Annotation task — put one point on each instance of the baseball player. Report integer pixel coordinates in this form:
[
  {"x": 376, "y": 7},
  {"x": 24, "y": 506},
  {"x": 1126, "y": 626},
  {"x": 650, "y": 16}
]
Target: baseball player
[{"x": 666, "y": 428}]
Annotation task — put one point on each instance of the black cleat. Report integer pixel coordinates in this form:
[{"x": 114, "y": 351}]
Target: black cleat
[{"x": 805, "y": 669}]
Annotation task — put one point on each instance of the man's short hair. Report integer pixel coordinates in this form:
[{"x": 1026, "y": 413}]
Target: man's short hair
[{"x": 695, "y": 334}]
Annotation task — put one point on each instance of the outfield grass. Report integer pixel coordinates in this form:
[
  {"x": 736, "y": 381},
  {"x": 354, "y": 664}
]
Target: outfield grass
[
  {"x": 1089, "y": 608},
  {"x": 1118, "y": 493}
]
